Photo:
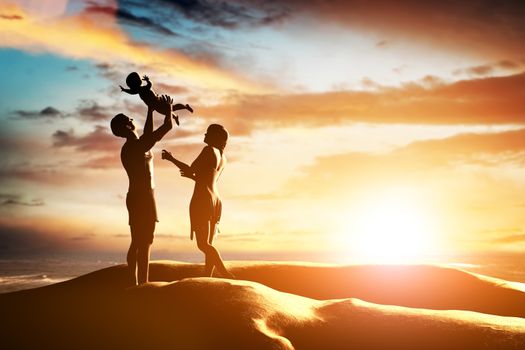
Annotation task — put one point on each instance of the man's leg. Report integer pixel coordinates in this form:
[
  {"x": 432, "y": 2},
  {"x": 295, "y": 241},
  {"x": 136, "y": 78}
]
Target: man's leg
[
  {"x": 132, "y": 263},
  {"x": 143, "y": 252},
  {"x": 143, "y": 262}
]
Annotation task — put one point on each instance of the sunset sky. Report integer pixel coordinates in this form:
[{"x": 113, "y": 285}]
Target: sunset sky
[{"x": 360, "y": 130}]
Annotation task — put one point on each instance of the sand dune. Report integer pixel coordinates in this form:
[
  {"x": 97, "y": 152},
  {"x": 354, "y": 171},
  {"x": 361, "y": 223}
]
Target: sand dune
[{"x": 271, "y": 306}]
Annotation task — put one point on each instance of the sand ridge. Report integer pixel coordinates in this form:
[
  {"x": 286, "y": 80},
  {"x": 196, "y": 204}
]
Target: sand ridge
[{"x": 270, "y": 306}]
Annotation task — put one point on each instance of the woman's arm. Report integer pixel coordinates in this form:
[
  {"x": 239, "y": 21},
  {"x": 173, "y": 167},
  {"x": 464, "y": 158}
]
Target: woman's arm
[{"x": 185, "y": 169}]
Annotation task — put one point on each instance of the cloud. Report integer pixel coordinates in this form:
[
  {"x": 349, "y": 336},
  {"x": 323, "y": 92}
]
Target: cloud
[
  {"x": 97, "y": 140},
  {"x": 56, "y": 173},
  {"x": 516, "y": 235},
  {"x": 493, "y": 100},
  {"x": 170, "y": 89},
  {"x": 487, "y": 69},
  {"x": 99, "y": 38},
  {"x": 25, "y": 239},
  {"x": 230, "y": 15},
  {"x": 84, "y": 237},
  {"x": 421, "y": 162},
  {"x": 46, "y": 113},
  {"x": 11, "y": 17},
  {"x": 383, "y": 44},
  {"x": 104, "y": 162},
  {"x": 17, "y": 200},
  {"x": 91, "y": 110},
  {"x": 485, "y": 26},
  {"x": 128, "y": 17},
  {"x": 100, "y": 149}
]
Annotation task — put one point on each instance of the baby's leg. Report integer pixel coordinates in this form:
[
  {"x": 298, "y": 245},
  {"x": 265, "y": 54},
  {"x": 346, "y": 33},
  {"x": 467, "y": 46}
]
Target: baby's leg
[
  {"x": 178, "y": 106},
  {"x": 176, "y": 117}
]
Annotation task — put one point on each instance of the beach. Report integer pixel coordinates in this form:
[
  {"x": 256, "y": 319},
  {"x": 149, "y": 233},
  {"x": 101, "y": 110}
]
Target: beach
[{"x": 271, "y": 305}]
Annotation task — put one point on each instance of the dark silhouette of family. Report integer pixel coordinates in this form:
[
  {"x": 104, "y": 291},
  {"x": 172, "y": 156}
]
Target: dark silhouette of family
[{"x": 137, "y": 159}]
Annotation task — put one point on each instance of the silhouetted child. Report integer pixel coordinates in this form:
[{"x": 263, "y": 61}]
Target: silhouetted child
[{"x": 150, "y": 97}]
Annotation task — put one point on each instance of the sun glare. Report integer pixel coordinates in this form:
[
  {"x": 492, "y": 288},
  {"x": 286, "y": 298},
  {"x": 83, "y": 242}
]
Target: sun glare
[{"x": 393, "y": 228}]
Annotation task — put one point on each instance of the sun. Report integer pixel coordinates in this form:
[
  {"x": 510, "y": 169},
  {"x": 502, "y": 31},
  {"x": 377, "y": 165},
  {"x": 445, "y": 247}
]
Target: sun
[{"x": 393, "y": 228}]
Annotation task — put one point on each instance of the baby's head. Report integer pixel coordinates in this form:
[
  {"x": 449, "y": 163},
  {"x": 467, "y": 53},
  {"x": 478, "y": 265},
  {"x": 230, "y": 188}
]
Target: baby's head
[{"x": 133, "y": 80}]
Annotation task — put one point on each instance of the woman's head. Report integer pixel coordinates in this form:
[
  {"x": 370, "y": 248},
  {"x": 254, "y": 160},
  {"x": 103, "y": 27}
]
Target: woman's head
[
  {"x": 216, "y": 136},
  {"x": 133, "y": 80}
]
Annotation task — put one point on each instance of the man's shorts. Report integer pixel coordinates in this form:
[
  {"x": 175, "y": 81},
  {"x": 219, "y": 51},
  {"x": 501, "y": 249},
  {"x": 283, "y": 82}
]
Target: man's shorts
[{"x": 142, "y": 212}]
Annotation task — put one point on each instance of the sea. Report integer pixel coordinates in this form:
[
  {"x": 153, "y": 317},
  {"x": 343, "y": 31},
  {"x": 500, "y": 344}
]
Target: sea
[{"x": 27, "y": 272}]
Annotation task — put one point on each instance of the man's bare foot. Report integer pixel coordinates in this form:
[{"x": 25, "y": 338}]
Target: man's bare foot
[
  {"x": 189, "y": 108},
  {"x": 176, "y": 117}
]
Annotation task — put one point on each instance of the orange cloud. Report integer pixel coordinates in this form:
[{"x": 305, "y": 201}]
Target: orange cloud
[
  {"x": 99, "y": 38},
  {"x": 436, "y": 166},
  {"x": 495, "y": 100}
]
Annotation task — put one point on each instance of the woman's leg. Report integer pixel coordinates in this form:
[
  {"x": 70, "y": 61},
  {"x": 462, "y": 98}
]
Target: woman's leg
[{"x": 213, "y": 258}]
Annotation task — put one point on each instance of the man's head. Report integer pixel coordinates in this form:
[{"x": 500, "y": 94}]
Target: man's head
[
  {"x": 122, "y": 125},
  {"x": 133, "y": 80}
]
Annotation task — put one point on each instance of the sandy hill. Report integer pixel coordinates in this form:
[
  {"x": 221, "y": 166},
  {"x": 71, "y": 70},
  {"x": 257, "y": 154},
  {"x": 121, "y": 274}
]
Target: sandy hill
[{"x": 270, "y": 306}]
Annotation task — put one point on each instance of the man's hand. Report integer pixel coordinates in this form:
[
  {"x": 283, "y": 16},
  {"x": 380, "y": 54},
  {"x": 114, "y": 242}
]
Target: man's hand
[
  {"x": 166, "y": 101},
  {"x": 145, "y": 78}
]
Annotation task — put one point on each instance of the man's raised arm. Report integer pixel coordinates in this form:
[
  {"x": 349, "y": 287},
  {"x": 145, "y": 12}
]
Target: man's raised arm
[
  {"x": 150, "y": 137},
  {"x": 168, "y": 123}
]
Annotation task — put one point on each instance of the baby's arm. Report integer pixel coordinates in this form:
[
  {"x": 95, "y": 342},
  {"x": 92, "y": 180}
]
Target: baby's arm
[
  {"x": 129, "y": 91},
  {"x": 148, "y": 82}
]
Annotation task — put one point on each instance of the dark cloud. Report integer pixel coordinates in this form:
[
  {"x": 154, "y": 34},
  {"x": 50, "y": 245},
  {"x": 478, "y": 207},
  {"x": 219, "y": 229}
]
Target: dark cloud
[
  {"x": 16, "y": 239},
  {"x": 91, "y": 110},
  {"x": 46, "y": 113},
  {"x": 492, "y": 27},
  {"x": 486, "y": 26},
  {"x": 110, "y": 72},
  {"x": 230, "y": 14},
  {"x": 383, "y": 44},
  {"x": 10, "y": 17},
  {"x": 84, "y": 237},
  {"x": 487, "y": 69},
  {"x": 128, "y": 17},
  {"x": 17, "y": 200},
  {"x": 97, "y": 140}
]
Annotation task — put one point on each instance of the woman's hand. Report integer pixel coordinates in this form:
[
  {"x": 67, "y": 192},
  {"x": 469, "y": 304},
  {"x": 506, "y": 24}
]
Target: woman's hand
[
  {"x": 166, "y": 155},
  {"x": 185, "y": 171}
]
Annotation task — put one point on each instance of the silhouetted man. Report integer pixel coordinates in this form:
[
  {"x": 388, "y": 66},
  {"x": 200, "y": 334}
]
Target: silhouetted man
[{"x": 137, "y": 159}]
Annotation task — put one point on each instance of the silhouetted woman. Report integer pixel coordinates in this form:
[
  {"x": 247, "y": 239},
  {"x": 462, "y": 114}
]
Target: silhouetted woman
[{"x": 205, "y": 205}]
